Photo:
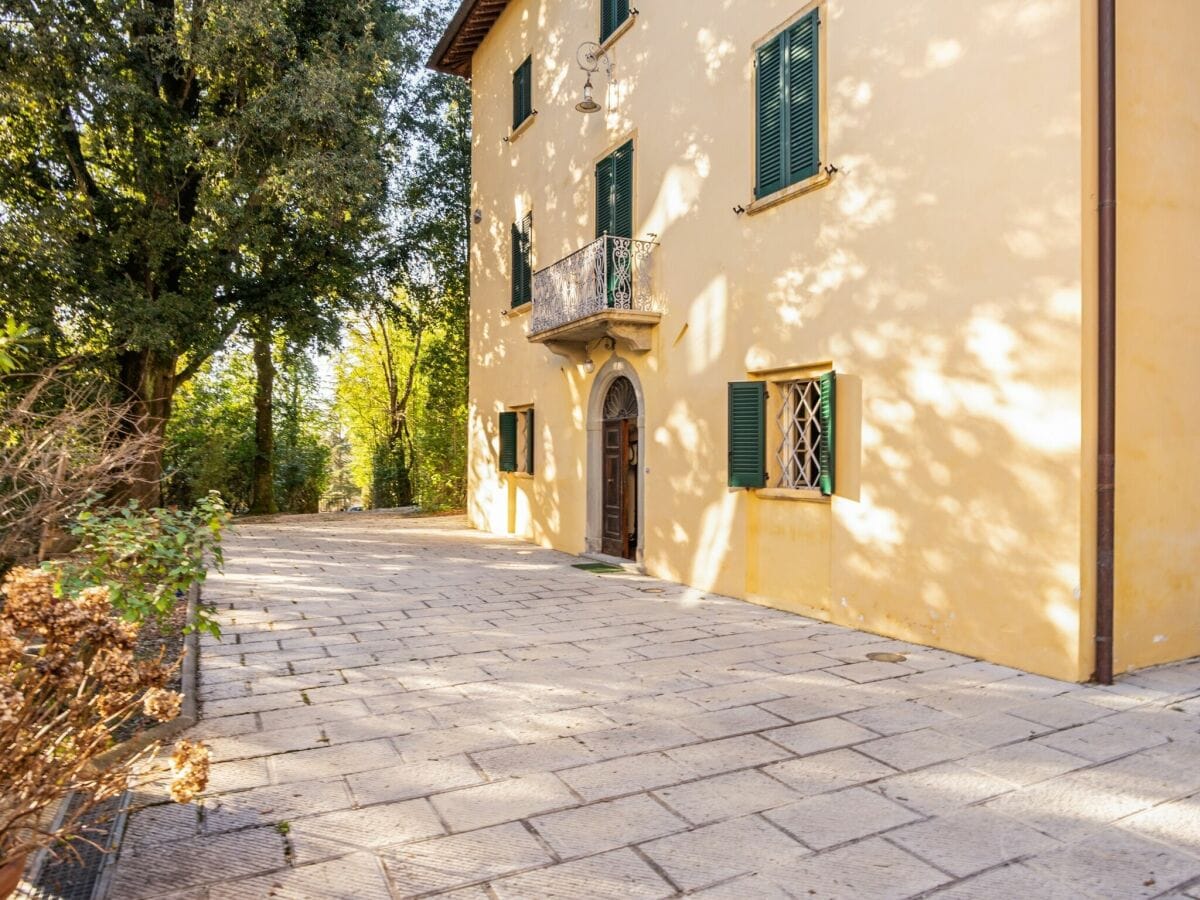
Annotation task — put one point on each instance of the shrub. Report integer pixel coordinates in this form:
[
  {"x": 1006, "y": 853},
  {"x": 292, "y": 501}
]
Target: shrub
[
  {"x": 61, "y": 441},
  {"x": 68, "y": 679},
  {"x": 146, "y": 559}
]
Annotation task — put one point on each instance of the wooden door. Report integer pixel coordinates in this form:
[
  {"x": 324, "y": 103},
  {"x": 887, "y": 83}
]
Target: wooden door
[{"x": 615, "y": 538}]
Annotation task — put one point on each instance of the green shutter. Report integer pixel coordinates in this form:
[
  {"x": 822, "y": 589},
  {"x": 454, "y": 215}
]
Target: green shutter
[
  {"x": 522, "y": 260},
  {"x": 769, "y": 171},
  {"x": 803, "y": 146},
  {"x": 529, "y": 441},
  {"x": 614, "y": 193},
  {"x": 527, "y": 258},
  {"x": 828, "y": 431},
  {"x": 747, "y": 434},
  {"x": 604, "y": 196},
  {"x": 508, "y": 442},
  {"x": 622, "y": 214},
  {"x": 613, "y": 13},
  {"x": 516, "y": 264},
  {"x": 787, "y": 107},
  {"x": 522, "y": 92},
  {"x": 614, "y": 202}
]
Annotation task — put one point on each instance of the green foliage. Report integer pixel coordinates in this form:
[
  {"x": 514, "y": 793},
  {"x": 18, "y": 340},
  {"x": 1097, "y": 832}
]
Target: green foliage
[
  {"x": 147, "y": 558},
  {"x": 341, "y": 493},
  {"x": 301, "y": 452},
  {"x": 211, "y": 444},
  {"x": 171, "y": 170},
  {"x": 426, "y": 459},
  {"x": 13, "y": 338},
  {"x": 391, "y": 482},
  {"x": 211, "y": 434},
  {"x": 439, "y": 423},
  {"x": 402, "y": 383}
]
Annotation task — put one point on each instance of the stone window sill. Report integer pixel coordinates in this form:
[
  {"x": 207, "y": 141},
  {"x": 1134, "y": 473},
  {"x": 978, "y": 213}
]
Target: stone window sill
[
  {"x": 812, "y": 183},
  {"x": 807, "y": 494},
  {"x": 515, "y": 312},
  {"x": 620, "y": 30},
  {"x": 522, "y": 128}
]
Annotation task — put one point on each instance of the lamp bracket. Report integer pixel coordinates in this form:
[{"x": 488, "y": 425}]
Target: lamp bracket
[{"x": 592, "y": 58}]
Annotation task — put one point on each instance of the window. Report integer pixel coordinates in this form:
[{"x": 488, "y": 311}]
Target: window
[
  {"x": 613, "y": 14},
  {"x": 522, "y": 93},
  {"x": 522, "y": 260},
  {"x": 804, "y": 454},
  {"x": 614, "y": 193},
  {"x": 516, "y": 441},
  {"x": 787, "y": 106}
]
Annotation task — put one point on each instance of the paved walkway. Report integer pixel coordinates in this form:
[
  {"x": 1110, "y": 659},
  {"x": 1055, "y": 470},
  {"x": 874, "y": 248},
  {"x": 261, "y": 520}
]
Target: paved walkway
[{"x": 405, "y": 708}]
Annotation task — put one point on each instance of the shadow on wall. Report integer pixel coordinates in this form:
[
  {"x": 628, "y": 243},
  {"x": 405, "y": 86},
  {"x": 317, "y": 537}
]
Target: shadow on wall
[{"x": 959, "y": 345}]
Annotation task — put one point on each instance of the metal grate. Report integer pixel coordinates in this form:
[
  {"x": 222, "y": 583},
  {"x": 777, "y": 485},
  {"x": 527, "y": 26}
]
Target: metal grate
[
  {"x": 67, "y": 876},
  {"x": 799, "y": 453}
]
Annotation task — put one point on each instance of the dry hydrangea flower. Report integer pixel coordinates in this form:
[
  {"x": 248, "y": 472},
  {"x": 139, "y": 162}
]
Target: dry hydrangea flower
[
  {"x": 95, "y": 600},
  {"x": 115, "y": 670},
  {"x": 152, "y": 672},
  {"x": 11, "y": 703},
  {"x": 162, "y": 704},
  {"x": 110, "y": 704},
  {"x": 189, "y": 771},
  {"x": 29, "y": 596}
]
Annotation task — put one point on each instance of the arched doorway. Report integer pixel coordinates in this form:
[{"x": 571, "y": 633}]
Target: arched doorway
[{"x": 619, "y": 478}]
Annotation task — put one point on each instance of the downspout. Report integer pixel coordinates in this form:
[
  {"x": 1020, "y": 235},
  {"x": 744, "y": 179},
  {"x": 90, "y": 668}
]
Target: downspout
[{"x": 1106, "y": 358}]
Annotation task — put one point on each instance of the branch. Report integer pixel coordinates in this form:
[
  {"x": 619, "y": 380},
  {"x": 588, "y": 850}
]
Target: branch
[
  {"x": 73, "y": 148},
  {"x": 199, "y": 359}
]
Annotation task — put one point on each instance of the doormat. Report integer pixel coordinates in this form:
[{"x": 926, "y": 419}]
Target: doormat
[{"x": 597, "y": 567}]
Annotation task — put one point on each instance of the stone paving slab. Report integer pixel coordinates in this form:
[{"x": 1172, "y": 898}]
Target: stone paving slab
[{"x": 402, "y": 707}]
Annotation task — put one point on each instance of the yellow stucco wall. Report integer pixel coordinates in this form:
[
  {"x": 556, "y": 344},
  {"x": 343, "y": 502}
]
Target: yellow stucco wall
[
  {"x": 1157, "y": 614},
  {"x": 940, "y": 271}
]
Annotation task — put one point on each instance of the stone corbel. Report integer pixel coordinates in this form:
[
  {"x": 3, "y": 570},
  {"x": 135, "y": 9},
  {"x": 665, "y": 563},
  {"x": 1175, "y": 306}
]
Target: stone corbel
[
  {"x": 638, "y": 337},
  {"x": 573, "y": 351}
]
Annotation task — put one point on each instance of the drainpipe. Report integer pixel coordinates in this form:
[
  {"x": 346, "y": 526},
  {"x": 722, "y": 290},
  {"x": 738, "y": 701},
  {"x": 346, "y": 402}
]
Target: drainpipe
[{"x": 1106, "y": 368}]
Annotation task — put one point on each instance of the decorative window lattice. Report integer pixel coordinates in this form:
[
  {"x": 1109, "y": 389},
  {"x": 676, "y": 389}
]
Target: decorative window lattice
[
  {"x": 524, "y": 444},
  {"x": 799, "y": 454},
  {"x": 621, "y": 400}
]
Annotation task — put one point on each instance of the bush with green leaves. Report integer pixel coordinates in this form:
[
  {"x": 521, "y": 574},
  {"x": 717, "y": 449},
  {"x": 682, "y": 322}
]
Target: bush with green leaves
[
  {"x": 147, "y": 558},
  {"x": 13, "y": 337}
]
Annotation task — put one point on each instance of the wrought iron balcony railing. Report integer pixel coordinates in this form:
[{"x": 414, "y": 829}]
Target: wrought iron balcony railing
[{"x": 608, "y": 275}]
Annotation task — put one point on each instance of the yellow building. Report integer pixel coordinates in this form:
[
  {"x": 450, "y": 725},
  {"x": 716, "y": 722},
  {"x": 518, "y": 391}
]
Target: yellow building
[{"x": 808, "y": 310}]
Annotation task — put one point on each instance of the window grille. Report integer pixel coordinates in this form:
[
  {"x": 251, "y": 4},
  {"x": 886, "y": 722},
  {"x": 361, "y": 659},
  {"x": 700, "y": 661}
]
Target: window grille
[
  {"x": 525, "y": 441},
  {"x": 799, "y": 454},
  {"x": 621, "y": 400}
]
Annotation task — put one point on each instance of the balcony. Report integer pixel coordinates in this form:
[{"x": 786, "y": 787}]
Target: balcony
[{"x": 602, "y": 290}]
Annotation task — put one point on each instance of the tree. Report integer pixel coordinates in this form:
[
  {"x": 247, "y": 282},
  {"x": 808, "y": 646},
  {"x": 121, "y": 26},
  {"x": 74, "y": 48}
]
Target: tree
[
  {"x": 375, "y": 380},
  {"x": 171, "y": 170},
  {"x": 211, "y": 444},
  {"x": 302, "y": 456}
]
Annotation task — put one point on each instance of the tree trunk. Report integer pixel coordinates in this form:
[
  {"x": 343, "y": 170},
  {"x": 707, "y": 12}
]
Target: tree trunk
[
  {"x": 146, "y": 384},
  {"x": 391, "y": 484},
  {"x": 262, "y": 488}
]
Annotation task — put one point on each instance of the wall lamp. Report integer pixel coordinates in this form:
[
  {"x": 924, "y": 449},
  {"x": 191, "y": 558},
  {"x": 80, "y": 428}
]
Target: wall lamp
[{"x": 591, "y": 58}]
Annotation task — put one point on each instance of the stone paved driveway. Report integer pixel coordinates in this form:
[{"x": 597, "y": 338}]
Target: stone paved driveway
[{"x": 406, "y": 708}]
